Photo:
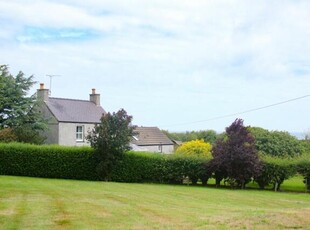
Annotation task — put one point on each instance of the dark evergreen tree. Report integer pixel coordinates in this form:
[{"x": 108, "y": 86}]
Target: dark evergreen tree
[
  {"x": 19, "y": 112},
  {"x": 110, "y": 139},
  {"x": 235, "y": 157}
]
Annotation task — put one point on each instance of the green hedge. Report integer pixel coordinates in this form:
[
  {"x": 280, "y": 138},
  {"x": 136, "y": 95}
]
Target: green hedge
[
  {"x": 303, "y": 168},
  {"x": 47, "y": 161},
  {"x": 275, "y": 171},
  {"x": 138, "y": 167},
  {"x": 158, "y": 168},
  {"x": 78, "y": 163}
]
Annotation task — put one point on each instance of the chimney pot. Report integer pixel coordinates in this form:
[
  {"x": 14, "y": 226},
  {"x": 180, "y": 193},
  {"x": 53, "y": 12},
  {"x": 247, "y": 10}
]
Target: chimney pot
[
  {"x": 42, "y": 93},
  {"x": 94, "y": 97}
]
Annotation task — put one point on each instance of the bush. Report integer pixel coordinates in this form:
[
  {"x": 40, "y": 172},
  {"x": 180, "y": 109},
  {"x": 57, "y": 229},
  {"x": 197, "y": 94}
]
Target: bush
[
  {"x": 275, "y": 171},
  {"x": 78, "y": 163},
  {"x": 157, "y": 168},
  {"x": 47, "y": 161},
  {"x": 303, "y": 168},
  {"x": 53, "y": 161},
  {"x": 7, "y": 135},
  {"x": 110, "y": 139},
  {"x": 195, "y": 147},
  {"x": 306, "y": 145},
  {"x": 139, "y": 167}
]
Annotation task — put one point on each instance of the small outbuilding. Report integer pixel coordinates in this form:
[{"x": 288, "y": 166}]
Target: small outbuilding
[{"x": 152, "y": 139}]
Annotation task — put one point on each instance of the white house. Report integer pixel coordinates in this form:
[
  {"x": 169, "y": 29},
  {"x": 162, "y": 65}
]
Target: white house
[
  {"x": 151, "y": 139},
  {"x": 69, "y": 120}
]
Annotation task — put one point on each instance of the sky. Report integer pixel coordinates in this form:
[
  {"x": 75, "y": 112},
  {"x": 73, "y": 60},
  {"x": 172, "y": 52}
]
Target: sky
[{"x": 180, "y": 65}]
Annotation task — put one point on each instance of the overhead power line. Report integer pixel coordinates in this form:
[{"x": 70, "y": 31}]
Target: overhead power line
[{"x": 239, "y": 113}]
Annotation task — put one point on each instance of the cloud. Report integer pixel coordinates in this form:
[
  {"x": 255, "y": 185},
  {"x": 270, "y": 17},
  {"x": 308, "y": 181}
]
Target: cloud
[{"x": 166, "y": 61}]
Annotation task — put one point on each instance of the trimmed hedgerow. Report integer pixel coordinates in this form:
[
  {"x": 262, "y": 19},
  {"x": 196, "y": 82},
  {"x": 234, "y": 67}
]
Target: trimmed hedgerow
[
  {"x": 138, "y": 167},
  {"x": 303, "y": 168},
  {"x": 53, "y": 161},
  {"x": 47, "y": 161},
  {"x": 275, "y": 171},
  {"x": 178, "y": 167},
  {"x": 157, "y": 168},
  {"x": 78, "y": 163}
]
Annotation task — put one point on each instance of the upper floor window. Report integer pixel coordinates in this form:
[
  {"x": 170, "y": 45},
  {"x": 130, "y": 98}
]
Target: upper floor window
[{"x": 79, "y": 133}]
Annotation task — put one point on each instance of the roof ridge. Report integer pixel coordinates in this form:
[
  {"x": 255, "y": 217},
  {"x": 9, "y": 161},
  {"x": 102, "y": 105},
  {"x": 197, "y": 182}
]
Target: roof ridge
[
  {"x": 147, "y": 127},
  {"x": 69, "y": 99}
]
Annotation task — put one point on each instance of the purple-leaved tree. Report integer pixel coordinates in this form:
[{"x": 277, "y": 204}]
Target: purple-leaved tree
[{"x": 235, "y": 156}]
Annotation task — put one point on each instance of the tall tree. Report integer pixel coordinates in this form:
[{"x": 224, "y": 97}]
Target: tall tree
[
  {"x": 235, "y": 156},
  {"x": 276, "y": 143},
  {"x": 110, "y": 139},
  {"x": 18, "y": 111}
]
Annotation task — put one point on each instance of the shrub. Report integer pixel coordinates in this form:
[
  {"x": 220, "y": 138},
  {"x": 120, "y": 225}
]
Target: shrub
[
  {"x": 7, "y": 135},
  {"x": 195, "y": 147},
  {"x": 157, "y": 168},
  {"x": 306, "y": 145},
  {"x": 47, "y": 161},
  {"x": 78, "y": 163},
  {"x": 139, "y": 167},
  {"x": 275, "y": 171},
  {"x": 110, "y": 139},
  {"x": 303, "y": 168}
]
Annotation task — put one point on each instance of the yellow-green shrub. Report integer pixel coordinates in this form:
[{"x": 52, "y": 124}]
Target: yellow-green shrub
[{"x": 196, "y": 147}]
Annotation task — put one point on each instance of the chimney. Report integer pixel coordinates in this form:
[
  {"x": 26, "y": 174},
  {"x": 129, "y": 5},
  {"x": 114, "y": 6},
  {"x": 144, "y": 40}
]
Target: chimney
[
  {"x": 42, "y": 93},
  {"x": 94, "y": 97}
]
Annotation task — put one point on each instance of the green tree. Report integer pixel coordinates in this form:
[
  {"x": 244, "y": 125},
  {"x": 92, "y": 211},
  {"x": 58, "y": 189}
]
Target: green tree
[
  {"x": 235, "y": 156},
  {"x": 110, "y": 139},
  {"x": 206, "y": 135},
  {"x": 306, "y": 145},
  {"x": 276, "y": 143},
  {"x": 18, "y": 111}
]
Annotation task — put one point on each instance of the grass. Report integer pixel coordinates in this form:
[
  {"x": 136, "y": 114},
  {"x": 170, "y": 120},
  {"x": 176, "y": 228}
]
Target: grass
[
  {"x": 294, "y": 184},
  {"x": 34, "y": 203}
]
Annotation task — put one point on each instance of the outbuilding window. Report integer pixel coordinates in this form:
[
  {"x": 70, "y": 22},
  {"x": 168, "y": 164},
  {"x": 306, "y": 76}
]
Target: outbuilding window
[{"x": 79, "y": 133}]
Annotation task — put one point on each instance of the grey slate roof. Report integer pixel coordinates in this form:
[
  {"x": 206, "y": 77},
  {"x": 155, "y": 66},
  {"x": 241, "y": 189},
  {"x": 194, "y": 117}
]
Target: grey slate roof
[
  {"x": 77, "y": 111},
  {"x": 150, "y": 136}
]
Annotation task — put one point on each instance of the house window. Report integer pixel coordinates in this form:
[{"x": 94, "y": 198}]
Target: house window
[{"x": 79, "y": 133}]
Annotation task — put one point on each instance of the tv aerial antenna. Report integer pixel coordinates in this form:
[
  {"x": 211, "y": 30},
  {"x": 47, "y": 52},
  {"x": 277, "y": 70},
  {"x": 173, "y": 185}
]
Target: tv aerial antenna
[{"x": 51, "y": 76}]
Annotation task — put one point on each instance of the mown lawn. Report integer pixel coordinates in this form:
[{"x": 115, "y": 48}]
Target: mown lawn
[{"x": 33, "y": 203}]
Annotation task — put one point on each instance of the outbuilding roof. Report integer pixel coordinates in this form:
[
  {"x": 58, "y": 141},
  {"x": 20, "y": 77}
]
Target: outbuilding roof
[
  {"x": 150, "y": 136},
  {"x": 75, "y": 111}
]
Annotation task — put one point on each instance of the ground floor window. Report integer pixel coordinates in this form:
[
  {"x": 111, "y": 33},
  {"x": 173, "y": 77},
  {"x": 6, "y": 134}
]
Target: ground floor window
[{"x": 79, "y": 133}]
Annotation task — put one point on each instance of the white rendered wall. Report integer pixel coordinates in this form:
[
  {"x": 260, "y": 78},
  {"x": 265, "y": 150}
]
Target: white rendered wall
[{"x": 67, "y": 134}]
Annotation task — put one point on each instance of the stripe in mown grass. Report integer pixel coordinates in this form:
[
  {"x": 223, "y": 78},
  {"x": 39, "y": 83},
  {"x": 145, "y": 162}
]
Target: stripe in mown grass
[{"x": 68, "y": 204}]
